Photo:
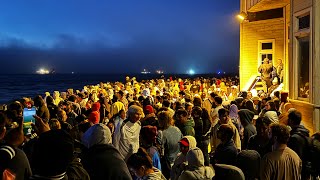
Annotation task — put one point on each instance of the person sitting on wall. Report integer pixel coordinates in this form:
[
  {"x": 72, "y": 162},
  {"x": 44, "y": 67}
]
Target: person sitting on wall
[{"x": 266, "y": 73}]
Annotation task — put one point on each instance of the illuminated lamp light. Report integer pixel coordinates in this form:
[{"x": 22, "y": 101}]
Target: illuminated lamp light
[
  {"x": 242, "y": 16},
  {"x": 191, "y": 72}
]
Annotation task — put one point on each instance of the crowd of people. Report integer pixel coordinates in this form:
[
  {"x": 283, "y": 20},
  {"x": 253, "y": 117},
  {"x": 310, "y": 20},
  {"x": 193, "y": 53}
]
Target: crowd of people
[{"x": 178, "y": 129}]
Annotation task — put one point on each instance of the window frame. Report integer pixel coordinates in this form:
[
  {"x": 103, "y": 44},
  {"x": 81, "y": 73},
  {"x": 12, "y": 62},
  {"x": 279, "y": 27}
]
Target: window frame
[
  {"x": 298, "y": 34},
  {"x": 267, "y": 51}
]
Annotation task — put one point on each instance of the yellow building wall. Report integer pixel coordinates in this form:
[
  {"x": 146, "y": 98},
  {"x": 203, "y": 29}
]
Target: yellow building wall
[{"x": 250, "y": 34}]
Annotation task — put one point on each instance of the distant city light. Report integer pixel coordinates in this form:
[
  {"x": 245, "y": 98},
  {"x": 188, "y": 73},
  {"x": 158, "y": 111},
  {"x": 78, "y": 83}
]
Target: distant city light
[
  {"x": 191, "y": 72},
  {"x": 219, "y": 72},
  {"x": 43, "y": 71}
]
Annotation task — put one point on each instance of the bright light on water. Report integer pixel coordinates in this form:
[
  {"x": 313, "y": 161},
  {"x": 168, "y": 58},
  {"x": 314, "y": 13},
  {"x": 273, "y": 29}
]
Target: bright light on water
[{"x": 191, "y": 72}]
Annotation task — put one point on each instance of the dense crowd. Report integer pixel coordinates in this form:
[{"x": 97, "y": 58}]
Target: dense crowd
[{"x": 178, "y": 129}]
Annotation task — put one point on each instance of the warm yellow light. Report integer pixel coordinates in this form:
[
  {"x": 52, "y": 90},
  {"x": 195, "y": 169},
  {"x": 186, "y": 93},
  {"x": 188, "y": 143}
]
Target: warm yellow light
[{"x": 241, "y": 17}]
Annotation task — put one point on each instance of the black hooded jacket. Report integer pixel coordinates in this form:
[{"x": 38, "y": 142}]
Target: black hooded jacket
[
  {"x": 246, "y": 117},
  {"x": 298, "y": 141}
]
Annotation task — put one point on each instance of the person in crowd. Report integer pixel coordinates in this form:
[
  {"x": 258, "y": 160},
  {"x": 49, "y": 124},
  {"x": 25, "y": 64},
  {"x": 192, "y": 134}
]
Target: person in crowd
[
  {"x": 13, "y": 161},
  {"x": 94, "y": 116},
  {"x": 298, "y": 140},
  {"x": 148, "y": 135},
  {"x": 166, "y": 103},
  {"x": 42, "y": 110},
  {"x": 54, "y": 124},
  {"x": 62, "y": 117},
  {"x": 260, "y": 142},
  {"x": 195, "y": 168},
  {"x": 185, "y": 124},
  {"x": 140, "y": 164},
  {"x": 68, "y": 108},
  {"x": 271, "y": 112},
  {"x": 257, "y": 105},
  {"x": 186, "y": 143},
  {"x": 214, "y": 112},
  {"x": 117, "y": 123},
  {"x": 282, "y": 162},
  {"x": 100, "y": 158},
  {"x": 201, "y": 131},
  {"x": 287, "y": 108},
  {"x": 150, "y": 117},
  {"x": 246, "y": 117},
  {"x": 263, "y": 106},
  {"x": 249, "y": 162},
  {"x": 224, "y": 119},
  {"x": 226, "y": 152},
  {"x": 75, "y": 106},
  {"x": 228, "y": 172},
  {"x": 130, "y": 131},
  {"x": 53, "y": 109},
  {"x": 116, "y": 106},
  {"x": 57, "y": 98},
  {"x": 233, "y": 113},
  {"x": 168, "y": 136}
]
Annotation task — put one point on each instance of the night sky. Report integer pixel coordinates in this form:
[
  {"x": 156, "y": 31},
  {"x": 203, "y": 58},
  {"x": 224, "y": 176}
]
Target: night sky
[{"x": 119, "y": 36}]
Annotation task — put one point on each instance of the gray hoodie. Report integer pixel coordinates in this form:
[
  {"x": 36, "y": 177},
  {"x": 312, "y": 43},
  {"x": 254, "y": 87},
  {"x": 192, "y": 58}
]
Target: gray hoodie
[
  {"x": 196, "y": 169},
  {"x": 179, "y": 163}
]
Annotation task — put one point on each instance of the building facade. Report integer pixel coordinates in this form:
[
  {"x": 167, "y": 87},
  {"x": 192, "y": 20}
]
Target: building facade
[{"x": 288, "y": 32}]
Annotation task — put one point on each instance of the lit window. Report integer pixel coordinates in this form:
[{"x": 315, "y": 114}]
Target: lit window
[{"x": 303, "y": 66}]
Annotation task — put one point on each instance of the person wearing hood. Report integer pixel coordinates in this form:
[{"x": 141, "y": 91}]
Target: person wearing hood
[
  {"x": 186, "y": 143},
  {"x": 94, "y": 117},
  {"x": 57, "y": 98},
  {"x": 246, "y": 117},
  {"x": 195, "y": 168},
  {"x": 271, "y": 112},
  {"x": 233, "y": 113},
  {"x": 140, "y": 164},
  {"x": 100, "y": 158},
  {"x": 298, "y": 139}
]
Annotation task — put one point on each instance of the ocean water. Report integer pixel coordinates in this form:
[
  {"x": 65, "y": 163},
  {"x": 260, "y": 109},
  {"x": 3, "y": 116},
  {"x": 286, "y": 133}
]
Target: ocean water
[{"x": 14, "y": 87}]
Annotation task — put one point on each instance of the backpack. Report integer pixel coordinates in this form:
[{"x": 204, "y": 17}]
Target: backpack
[{"x": 312, "y": 164}]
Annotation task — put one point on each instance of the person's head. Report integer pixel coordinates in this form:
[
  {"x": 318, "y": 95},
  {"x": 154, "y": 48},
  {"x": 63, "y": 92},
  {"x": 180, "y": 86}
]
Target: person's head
[
  {"x": 225, "y": 133},
  {"x": 135, "y": 113},
  {"x": 148, "y": 109},
  {"x": 246, "y": 116},
  {"x": 270, "y": 106},
  {"x": 148, "y": 135},
  {"x": 72, "y": 98},
  {"x": 122, "y": 114},
  {"x": 195, "y": 158},
  {"x": 187, "y": 143},
  {"x": 264, "y": 102},
  {"x": 38, "y": 101},
  {"x": 164, "y": 119},
  {"x": 218, "y": 100},
  {"x": 265, "y": 61},
  {"x": 62, "y": 115},
  {"x": 67, "y": 106},
  {"x": 262, "y": 126},
  {"x": 188, "y": 107},
  {"x": 139, "y": 163},
  {"x": 197, "y": 101},
  {"x": 255, "y": 100},
  {"x": 294, "y": 118},
  {"x": 223, "y": 116},
  {"x": 95, "y": 135},
  {"x": 53, "y": 151},
  {"x": 279, "y": 133},
  {"x": 166, "y": 103},
  {"x": 182, "y": 116},
  {"x": 196, "y": 112},
  {"x": 54, "y": 124}
]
